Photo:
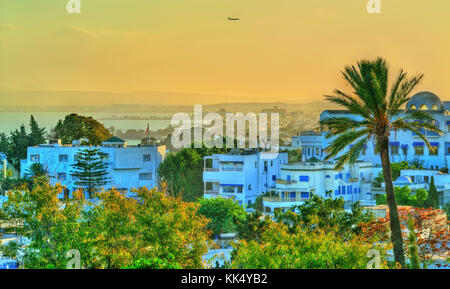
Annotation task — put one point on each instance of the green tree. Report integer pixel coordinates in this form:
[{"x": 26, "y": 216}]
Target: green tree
[
  {"x": 279, "y": 248},
  {"x": 37, "y": 134},
  {"x": 183, "y": 172},
  {"x": 76, "y": 127},
  {"x": 51, "y": 227},
  {"x": 377, "y": 107},
  {"x": 433, "y": 197},
  {"x": 37, "y": 170},
  {"x": 224, "y": 214},
  {"x": 253, "y": 226},
  {"x": 90, "y": 171},
  {"x": 324, "y": 213},
  {"x": 405, "y": 197},
  {"x": 18, "y": 147},
  {"x": 153, "y": 230}
]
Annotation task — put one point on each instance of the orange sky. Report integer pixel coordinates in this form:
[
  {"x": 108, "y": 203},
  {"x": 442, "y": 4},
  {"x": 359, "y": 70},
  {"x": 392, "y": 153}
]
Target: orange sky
[{"x": 281, "y": 50}]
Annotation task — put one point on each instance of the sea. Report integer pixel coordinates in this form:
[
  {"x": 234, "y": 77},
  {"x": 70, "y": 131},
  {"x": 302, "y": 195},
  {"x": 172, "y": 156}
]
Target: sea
[{"x": 128, "y": 120}]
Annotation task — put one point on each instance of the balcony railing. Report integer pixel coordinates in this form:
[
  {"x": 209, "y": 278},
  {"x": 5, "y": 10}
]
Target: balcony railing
[
  {"x": 211, "y": 192},
  {"x": 211, "y": 169},
  {"x": 286, "y": 182},
  {"x": 284, "y": 200}
]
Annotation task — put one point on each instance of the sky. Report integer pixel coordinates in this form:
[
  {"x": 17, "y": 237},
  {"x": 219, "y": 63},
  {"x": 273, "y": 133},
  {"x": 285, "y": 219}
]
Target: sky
[{"x": 186, "y": 51}]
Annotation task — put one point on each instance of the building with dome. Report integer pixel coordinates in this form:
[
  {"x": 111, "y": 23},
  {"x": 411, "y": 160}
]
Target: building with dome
[{"x": 404, "y": 145}]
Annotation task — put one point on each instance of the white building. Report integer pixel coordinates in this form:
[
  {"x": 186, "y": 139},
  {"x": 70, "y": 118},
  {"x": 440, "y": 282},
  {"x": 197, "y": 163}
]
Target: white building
[
  {"x": 127, "y": 166},
  {"x": 298, "y": 181},
  {"x": 404, "y": 145},
  {"x": 243, "y": 174},
  {"x": 421, "y": 179}
]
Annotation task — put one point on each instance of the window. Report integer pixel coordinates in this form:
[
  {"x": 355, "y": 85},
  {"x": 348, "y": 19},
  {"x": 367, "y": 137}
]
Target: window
[
  {"x": 147, "y": 158},
  {"x": 63, "y": 158},
  {"x": 250, "y": 187},
  {"x": 317, "y": 151},
  {"x": 292, "y": 195},
  {"x": 418, "y": 150},
  {"x": 288, "y": 177},
  {"x": 304, "y": 178},
  {"x": 405, "y": 150},
  {"x": 62, "y": 176},
  {"x": 274, "y": 177},
  {"x": 145, "y": 176},
  {"x": 394, "y": 149},
  {"x": 447, "y": 148},
  {"x": 271, "y": 163},
  {"x": 305, "y": 195},
  {"x": 434, "y": 148},
  {"x": 34, "y": 158}
]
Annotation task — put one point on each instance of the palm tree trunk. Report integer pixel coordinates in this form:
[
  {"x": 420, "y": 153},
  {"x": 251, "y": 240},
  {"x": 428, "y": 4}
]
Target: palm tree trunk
[{"x": 396, "y": 233}]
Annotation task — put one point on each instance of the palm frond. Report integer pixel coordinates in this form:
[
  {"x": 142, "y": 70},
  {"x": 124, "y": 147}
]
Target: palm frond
[
  {"x": 337, "y": 125},
  {"x": 343, "y": 140}
]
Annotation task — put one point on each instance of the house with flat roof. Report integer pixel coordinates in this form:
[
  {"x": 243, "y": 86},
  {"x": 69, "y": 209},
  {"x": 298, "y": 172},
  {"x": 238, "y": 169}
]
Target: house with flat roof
[
  {"x": 242, "y": 174},
  {"x": 127, "y": 166}
]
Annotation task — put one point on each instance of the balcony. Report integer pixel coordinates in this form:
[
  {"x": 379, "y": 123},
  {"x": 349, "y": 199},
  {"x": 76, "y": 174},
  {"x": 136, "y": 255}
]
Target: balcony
[
  {"x": 284, "y": 200},
  {"x": 211, "y": 192},
  {"x": 285, "y": 182}
]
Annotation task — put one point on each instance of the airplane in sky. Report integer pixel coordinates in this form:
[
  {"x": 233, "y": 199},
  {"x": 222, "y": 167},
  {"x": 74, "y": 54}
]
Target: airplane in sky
[{"x": 233, "y": 19}]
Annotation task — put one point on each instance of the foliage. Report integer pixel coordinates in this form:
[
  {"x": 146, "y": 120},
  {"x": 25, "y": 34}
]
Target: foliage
[
  {"x": 153, "y": 263},
  {"x": 77, "y": 127},
  {"x": 224, "y": 214},
  {"x": 433, "y": 197},
  {"x": 90, "y": 170},
  {"x": 253, "y": 226},
  {"x": 430, "y": 226},
  {"x": 18, "y": 143},
  {"x": 377, "y": 104},
  {"x": 51, "y": 227},
  {"x": 413, "y": 250},
  {"x": 324, "y": 213},
  {"x": 37, "y": 170},
  {"x": 278, "y": 248},
  {"x": 294, "y": 155},
  {"x": 183, "y": 172},
  {"x": 37, "y": 134},
  {"x": 114, "y": 232},
  {"x": 15, "y": 146},
  {"x": 447, "y": 210},
  {"x": 405, "y": 197}
]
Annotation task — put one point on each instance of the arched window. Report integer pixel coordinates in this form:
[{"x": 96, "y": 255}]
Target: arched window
[
  {"x": 412, "y": 107},
  {"x": 423, "y": 107},
  {"x": 434, "y": 107}
]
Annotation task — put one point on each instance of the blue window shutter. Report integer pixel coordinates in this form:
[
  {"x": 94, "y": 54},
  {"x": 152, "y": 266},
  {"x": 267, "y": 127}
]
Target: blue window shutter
[{"x": 303, "y": 178}]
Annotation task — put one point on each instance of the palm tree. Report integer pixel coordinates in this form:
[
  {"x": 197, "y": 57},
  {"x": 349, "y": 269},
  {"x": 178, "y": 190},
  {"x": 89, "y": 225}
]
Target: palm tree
[
  {"x": 37, "y": 170},
  {"x": 376, "y": 107}
]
